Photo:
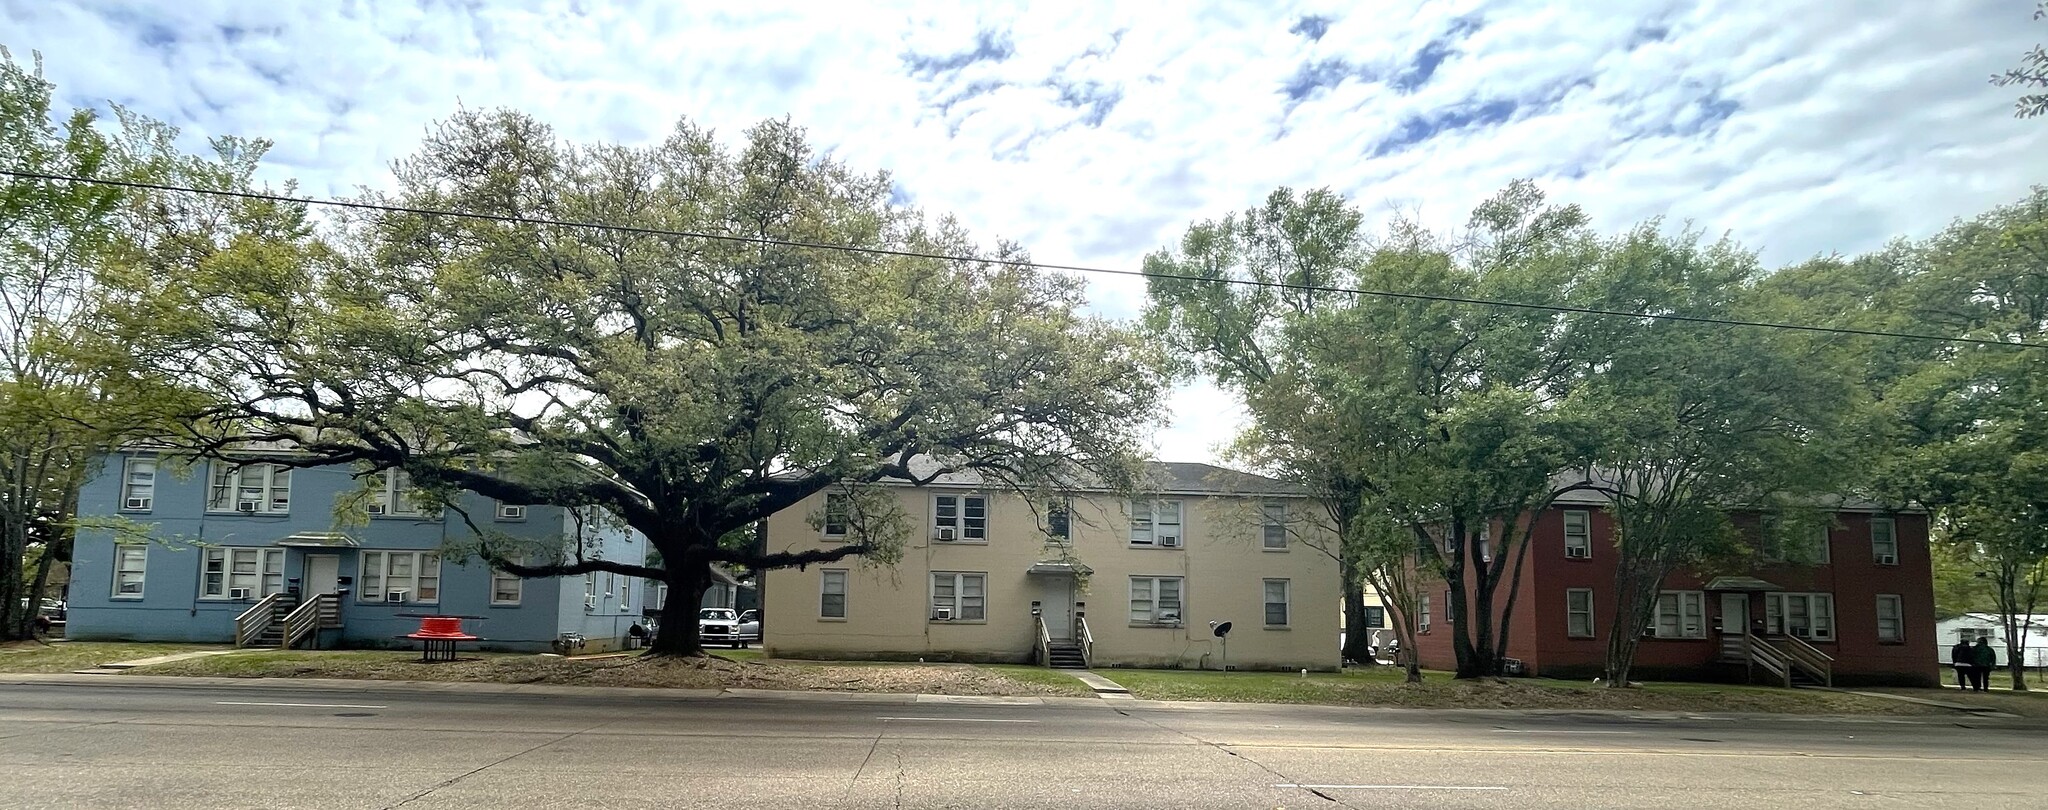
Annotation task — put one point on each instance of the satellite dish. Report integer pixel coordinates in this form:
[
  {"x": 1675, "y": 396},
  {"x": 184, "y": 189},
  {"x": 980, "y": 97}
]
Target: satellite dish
[{"x": 1222, "y": 629}]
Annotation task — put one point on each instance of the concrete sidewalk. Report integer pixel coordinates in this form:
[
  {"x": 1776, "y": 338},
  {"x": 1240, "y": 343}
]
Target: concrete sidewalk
[{"x": 609, "y": 693}]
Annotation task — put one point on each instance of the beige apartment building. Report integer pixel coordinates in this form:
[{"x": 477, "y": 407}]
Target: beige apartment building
[{"x": 1089, "y": 579}]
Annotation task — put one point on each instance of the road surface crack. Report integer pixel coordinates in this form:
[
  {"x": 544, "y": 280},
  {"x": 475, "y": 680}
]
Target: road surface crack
[
  {"x": 1283, "y": 779},
  {"x": 489, "y": 765},
  {"x": 864, "y": 765}
]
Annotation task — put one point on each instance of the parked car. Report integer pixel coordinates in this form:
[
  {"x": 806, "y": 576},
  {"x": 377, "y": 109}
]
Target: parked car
[{"x": 723, "y": 626}]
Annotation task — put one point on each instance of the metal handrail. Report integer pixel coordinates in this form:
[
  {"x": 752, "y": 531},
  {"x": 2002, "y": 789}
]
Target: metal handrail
[
  {"x": 1044, "y": 641},
  {"x": 255, "y": 620},
  {"x": 307, "y": 617},
  {"x": 1087, "y": 640}
]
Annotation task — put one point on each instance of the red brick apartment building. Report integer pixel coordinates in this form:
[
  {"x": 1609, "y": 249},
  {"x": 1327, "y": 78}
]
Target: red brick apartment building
[{"x": 1861, "y": 612}]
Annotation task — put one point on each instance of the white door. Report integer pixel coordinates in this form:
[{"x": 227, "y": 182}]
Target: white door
[
  {"x": 323, "y": 574},
  {"x": 1734, "y": 614},
  {"x": 1056, "y": 603}
]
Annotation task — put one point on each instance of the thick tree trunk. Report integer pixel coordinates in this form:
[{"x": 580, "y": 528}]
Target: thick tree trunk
[
  {"x": 687, "y": 579},
  {"x": 36, "y": 588},
  {"x": 13, "y": 625},
  {"x": 1357, "y": 636}
]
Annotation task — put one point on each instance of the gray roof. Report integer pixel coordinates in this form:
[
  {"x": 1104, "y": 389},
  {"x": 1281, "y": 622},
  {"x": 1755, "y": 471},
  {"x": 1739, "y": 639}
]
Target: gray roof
[{"x": 1162, "y": 477}]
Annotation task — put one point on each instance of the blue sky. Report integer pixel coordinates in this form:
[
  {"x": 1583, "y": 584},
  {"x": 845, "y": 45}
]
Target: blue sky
[{"x": 1092, "y": 132}]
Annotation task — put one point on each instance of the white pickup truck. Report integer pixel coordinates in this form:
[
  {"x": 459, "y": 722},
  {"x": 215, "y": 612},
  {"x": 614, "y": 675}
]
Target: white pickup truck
[{"x": 723, "y": 626}]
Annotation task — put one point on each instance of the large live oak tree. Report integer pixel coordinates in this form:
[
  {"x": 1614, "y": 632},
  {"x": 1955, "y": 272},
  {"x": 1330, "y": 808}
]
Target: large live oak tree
[{"x": 684, "y": 387}]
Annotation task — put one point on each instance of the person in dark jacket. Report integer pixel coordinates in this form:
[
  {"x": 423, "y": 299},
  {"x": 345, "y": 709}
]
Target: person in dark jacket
[
  {"x": 1965, "y": 662},
  {"x": 1987, "y": 660}
]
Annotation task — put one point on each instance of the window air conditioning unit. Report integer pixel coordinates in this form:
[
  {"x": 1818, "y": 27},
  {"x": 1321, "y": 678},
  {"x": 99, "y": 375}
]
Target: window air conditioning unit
[
  {"x": 375, "y": 508},
  {"x": 945, "y": 534},
  {"x": 1580, "y": 552},
  {"x": 396, "y": 597},
  {"x": 512, "y": 511},
  {"x": 590, "y": 603},
  {"x": 942, "y": 614},
  {"x": 137, "y": 503},
  {"x": 1887, "y": 559},
  {"x": 238, "y": 593},
  {"x": 246, "y": 506},
  {"x": 1167, "y": 617},
  {"x": 1169, "y": 541}
]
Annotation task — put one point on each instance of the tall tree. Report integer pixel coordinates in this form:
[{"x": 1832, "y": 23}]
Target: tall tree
[
  {"x": 1978, "y": 414},
  {"x": 1698, "y": 421},
  {"x": 1434, "y": 414},
  {"x": 684, "y": 387}
]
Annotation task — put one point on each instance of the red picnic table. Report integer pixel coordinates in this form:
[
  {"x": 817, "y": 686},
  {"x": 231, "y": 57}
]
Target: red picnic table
[{"x": 438, "y": 634}]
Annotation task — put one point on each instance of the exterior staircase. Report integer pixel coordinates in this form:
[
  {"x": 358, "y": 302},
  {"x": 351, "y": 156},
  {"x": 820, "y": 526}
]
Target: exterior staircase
[
  {"x": 1065, "y": 655},
  {"x": 273, "y": 633}
]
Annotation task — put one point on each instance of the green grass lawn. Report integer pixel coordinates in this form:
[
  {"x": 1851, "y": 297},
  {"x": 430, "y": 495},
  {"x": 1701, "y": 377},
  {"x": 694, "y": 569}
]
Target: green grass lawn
[
  {"x": 1384, "y": 686},
  {"x": 65, "y": 656},
  {"x": 1040, "y": 675}
]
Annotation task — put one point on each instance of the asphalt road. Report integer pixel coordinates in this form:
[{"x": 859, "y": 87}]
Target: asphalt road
[{"x": 114, "y": 745}]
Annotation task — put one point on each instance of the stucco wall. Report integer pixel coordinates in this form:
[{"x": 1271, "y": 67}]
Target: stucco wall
[{"x": 1220, "y": 560}]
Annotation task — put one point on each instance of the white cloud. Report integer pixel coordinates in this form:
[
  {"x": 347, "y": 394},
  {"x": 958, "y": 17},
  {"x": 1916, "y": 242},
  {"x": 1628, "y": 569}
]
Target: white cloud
[{"x": 1094, "y": 132}]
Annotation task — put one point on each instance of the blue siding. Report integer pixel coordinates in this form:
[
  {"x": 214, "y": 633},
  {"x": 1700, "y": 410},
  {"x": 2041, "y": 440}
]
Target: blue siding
[{"x": 177, "y": 525}]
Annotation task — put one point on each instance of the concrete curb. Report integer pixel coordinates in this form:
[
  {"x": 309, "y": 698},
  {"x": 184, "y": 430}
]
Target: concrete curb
[{"x": 1123, "y": 703}]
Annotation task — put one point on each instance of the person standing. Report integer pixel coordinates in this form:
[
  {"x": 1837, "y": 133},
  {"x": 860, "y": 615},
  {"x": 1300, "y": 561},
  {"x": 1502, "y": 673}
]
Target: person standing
[
  {"x": 1964, "y": 660},
  {"x": 1986, "y": 660}
]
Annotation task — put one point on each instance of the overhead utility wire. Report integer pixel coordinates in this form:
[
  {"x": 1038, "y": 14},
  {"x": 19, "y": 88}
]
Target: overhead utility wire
[{"x": 1020, "y": 263}]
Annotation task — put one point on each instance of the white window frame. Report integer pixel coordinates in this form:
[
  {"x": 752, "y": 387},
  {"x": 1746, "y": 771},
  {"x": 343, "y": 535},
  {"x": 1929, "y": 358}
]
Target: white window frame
[
  {"x": 1422, "y": 615},
  {"x": 388, "y": 580},
  {"x": 1825, "y": 554},
  {"x": 131, "y": 564},
  {"x": 1581, "y": 539},
  {"x": 218, "y": 579},
  {"x": 1286, "y": 602},
  {"x": 1155, "y": 603},
  {"x": 1971, "y": 634},
  {"x": 1679, "y": 615},
  {"x": 957, "y": 602},
  {"x": 389, "y": 496},
  {"x": 1886, "y": 551},
  {"x": 1486, "y": 543},
  {"x": 138, "y": 484},
  {"x": 228, "y": 482},
  {"x": 1273, "y": 526},
  {"x": 1574, "y": 611},
  {"x": 502, "y": 581},
  {"x": 625, "y": 584},
  {"x": 510, "y": 512},
  {"x": 1897, "y": 618},
  {"x": 1778, "y": 618},
  {"x": 1059, "y": 521},
  {"x": 842, "y": 504},
  {"x": 832, "y": 582},
  {"x": 1147, "y": 523},
  {"x": 965, "y": 529}
]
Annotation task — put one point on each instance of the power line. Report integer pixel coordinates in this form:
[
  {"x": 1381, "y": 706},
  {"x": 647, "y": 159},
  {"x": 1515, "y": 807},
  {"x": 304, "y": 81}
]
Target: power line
[{"x": 912, "y": 254}]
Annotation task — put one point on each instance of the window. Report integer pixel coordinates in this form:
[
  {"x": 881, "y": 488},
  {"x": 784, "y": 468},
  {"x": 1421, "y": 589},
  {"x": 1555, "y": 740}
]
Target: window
[
  {"x": 1155, "y": 523},
  {"x": 1578, "y": 534},
  {"x": 625, "y": 593},
  {"x": 1273, "y": 529},
  {"x": 1772, "y": 544},
  {"x": 1059, "y": 520},
  {"x": 1375, "y": 616},
  {"x": 1806, "y": 615},
  {"x": 1156, "y": 600},
  {"x": 130, "y": 564},
  {"x": 415, "y": 574},
  {"x": 960, "y": 518},
  {"x": 1276, "y": 603},
  {"x": 391, "y": 494},
  {"x": 957, "y": 597},
  {"x": 1891, "y": 624},
  {"x": 1969, "y": 635},
  {"x": 258, "y": 572},
  {"x": 511, "y": 511},
  {"x": 138, "y": 485},
  {"x": 1450, "y": 609},
  {"x": 1486, "y": 544},
  {"x": 1822, "y": 541},
  {"x": 1884, "y": 541},
  {"x": 1423, "y": 624},
  {"x": 1578, "y": 612},
  {"x": 832, "y": 593},
  {"x": 506, "y": 588},
  {"x": 1680, "y": 614},
  {"x": 837, "y": 513},
  {"x": 258, "y": 488}
]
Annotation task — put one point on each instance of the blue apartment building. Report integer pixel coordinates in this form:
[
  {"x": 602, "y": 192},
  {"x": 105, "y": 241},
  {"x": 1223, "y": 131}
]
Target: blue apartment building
[{"x": 210, "y": 551}]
